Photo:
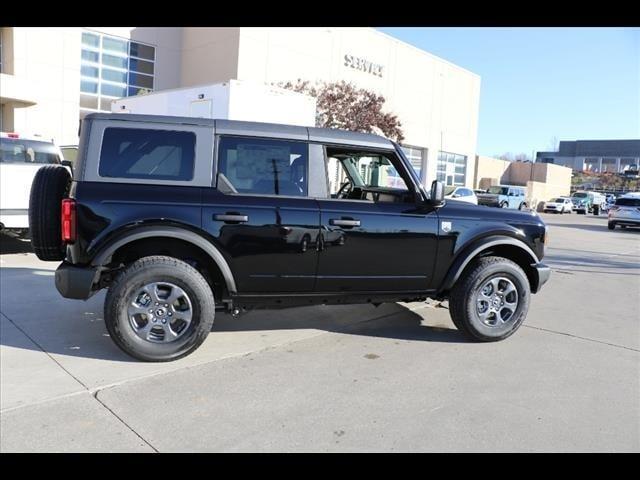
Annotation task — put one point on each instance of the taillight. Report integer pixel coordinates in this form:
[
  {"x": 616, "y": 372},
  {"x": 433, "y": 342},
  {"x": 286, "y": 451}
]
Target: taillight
[{"x": 68, "y": 220}]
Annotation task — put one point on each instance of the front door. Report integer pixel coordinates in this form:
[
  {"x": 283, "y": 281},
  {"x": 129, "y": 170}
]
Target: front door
[
  {"x": 260, "y": 216},
  {"x": 374, "y": 236}
]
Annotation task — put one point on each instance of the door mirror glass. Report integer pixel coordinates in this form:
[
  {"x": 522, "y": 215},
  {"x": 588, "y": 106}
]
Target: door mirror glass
[{"x": 437, "y": 193}]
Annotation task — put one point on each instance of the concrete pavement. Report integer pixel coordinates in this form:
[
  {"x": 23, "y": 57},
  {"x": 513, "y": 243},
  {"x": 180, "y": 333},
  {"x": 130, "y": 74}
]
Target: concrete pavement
[{"x": 347, "y": 378}]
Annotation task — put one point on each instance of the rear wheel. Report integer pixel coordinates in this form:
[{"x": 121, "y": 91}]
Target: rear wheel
[
  {"x": 491, "y": 300},
  {"x": 50, "y": 185},
  {"x": 159, "y": 309},
  {"x": 504, "y": 205}
]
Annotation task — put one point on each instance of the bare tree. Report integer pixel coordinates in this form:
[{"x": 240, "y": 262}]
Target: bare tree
[
  {"x": 343, "y": 105},
  {"x": 508, "y": 156},
  {"x": 553, "y": 144}
]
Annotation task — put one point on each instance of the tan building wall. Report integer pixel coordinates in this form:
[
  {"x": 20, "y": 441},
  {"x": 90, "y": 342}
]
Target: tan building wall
[
  {"x": 543, "y": 180},
  {"x": 489, "y": 171},
  {"x": 209, "y": 55}
]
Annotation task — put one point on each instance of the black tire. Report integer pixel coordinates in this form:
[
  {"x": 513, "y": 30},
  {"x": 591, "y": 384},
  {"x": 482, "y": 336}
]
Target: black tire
[
  {"x": 50, "y": 185},
  {"x": 611, "y": 226},
  {"x": 462, "y": 301},
  {"x": 159, "y": 269},
  {"x": 504, "y": 205},
  {"x": 522, "y": 206}
]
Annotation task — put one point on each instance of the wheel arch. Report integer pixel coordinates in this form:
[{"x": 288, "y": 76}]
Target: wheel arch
[
  {"x": 171, "y": 237},
  {"x": 497, "y": 245}
]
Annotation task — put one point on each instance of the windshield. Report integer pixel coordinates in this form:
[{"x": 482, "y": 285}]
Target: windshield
[
  {"x": 15, "y": 150},
  {"x": 558, "y": 200},
  {"x": 498, "y": 190},
  {"x": 581, "y": 195}
]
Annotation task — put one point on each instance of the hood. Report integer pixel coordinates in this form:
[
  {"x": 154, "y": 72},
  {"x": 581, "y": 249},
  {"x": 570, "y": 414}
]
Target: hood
[{"x": 457, "y": 207}]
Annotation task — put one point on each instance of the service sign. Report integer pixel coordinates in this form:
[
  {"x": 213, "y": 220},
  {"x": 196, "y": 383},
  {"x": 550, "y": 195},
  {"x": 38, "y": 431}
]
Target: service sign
[{"x": 363, "y": 65}]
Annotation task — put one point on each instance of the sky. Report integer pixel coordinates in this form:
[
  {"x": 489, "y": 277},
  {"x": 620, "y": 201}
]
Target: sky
[{"x": 540, "y": 83}]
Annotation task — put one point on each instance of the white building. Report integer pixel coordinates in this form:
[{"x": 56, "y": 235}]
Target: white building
[{"x": 50, "y": 77}]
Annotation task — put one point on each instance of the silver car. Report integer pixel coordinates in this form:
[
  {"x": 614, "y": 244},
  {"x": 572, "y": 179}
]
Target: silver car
[
  {"x": 559, "y": 205},
  {"x": 625, "y": 212}
]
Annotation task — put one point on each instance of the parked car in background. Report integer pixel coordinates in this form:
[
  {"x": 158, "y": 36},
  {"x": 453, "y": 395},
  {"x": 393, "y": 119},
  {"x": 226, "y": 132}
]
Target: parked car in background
[
  {"x": 20, "y": 158},
  {"x": 504, "y": 196},
  {"x": 583, "y": 202},
  {"x": 463, "y": 194},
  {"x": 625, "y": 212},
  {"x": 559, "y": 205}
]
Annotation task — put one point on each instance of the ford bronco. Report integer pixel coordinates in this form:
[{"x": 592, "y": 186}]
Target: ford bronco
[{"x": 182, "y": 217}]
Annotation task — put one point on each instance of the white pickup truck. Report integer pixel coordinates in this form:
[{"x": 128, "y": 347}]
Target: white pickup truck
[{"x": 20, "y": 158}]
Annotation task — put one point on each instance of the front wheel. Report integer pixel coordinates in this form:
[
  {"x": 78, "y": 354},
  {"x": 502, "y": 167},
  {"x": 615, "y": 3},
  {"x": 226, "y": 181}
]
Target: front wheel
[
  {"x": 491, "y": 300},
  {"x": 504, "y": 205},
  {"x": 611, "y": 226},
  {"x": 159, "y": 309}
]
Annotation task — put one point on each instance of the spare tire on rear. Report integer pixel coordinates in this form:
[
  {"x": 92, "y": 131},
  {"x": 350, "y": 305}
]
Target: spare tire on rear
[{"x": 50, "y": 185}]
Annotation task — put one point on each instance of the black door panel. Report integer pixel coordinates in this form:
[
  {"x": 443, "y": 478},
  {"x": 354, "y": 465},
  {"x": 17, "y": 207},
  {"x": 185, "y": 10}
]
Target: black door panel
[
  {"x": 271, "y": 243},
  {"x": 369, "y": 246}
]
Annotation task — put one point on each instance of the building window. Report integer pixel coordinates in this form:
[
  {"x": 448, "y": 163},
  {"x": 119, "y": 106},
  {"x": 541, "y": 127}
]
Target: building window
[
  {"x": 112, "y": 68},
  {"x": 451, "y": 168},
  {"x": 415, "y": 155}
]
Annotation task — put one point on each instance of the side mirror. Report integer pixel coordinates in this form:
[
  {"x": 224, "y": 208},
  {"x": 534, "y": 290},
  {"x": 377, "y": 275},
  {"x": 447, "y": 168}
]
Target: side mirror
[
  {"x": 437, "y": 193},
  {"x": 67, "y": 163}
]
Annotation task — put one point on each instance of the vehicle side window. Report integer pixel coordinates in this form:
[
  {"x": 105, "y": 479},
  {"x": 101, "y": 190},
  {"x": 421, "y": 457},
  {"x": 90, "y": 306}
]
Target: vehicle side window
[
  {"x": 147, "y": 154},
  {"x": 264, "y": 166},
  {"x": 356, "y": 174}
]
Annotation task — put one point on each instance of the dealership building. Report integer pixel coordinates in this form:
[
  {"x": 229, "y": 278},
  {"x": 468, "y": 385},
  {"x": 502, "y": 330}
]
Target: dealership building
[
  {"x": 51, "y": 77},
  {"x": 596, "y": 156}
]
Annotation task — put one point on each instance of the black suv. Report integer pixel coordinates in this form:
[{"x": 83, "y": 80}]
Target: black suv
[{"x": 180, "y": 217}]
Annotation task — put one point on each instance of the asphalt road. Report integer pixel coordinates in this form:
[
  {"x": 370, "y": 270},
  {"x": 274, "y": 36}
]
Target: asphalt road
[{"x": 346, "y": 378}]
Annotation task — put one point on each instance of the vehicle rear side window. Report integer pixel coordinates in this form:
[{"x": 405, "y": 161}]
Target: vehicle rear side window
[
  {"x": 628, "y": 202},
  {"x": 27, "y": 151},
  {"x": 264, "y": 166},
  {"x": 147, "y": 154}
]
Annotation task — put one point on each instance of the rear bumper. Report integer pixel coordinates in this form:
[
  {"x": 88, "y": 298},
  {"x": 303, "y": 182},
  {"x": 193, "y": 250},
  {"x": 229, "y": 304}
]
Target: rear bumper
[
  {"x": 76, "y": 282},
  {"x": 543, "y": 273},
  {"x": 632, "y": 222}
]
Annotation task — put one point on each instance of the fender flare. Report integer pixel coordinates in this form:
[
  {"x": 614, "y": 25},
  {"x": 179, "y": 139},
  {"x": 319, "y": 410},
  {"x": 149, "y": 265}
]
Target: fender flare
[
  {"x": 105, "y": 253},
  {"x": 469, "y": 252}
]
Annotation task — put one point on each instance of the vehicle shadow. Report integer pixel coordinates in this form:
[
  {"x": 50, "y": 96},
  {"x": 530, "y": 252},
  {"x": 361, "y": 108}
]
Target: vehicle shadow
[
  {"x": 10, "y": 244},
  {"x": 76, "y": 328}
]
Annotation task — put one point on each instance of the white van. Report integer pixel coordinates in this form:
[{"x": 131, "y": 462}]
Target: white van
[{"x": 20, "y": 158}]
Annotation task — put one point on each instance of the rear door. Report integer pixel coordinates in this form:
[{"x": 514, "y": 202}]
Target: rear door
[{"x": 261, "y": 213}]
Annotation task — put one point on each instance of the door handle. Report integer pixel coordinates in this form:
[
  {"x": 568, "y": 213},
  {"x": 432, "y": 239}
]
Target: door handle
[
  {"x": 344, "y": 222},
  {"x": 231, "y": 217}
]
